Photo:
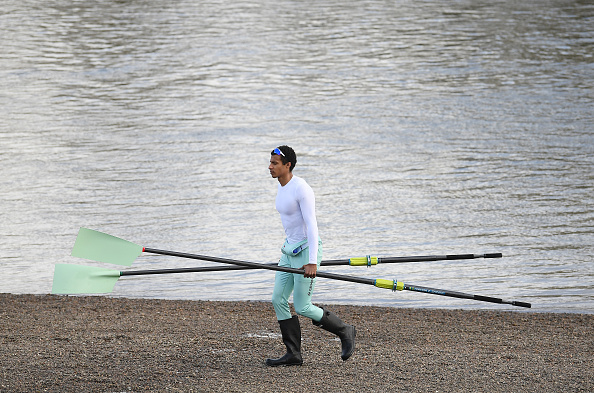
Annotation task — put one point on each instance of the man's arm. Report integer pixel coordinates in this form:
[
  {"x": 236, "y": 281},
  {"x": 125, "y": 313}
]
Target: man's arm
[{"x": 307, "y": 204}]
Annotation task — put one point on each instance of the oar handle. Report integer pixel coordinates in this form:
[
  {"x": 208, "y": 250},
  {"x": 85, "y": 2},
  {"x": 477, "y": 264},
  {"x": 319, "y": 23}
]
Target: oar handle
[
  {"x": 462, "y": 295},
  {"x": 521, "y": 304},
  {"x": 428, "y": 258}
]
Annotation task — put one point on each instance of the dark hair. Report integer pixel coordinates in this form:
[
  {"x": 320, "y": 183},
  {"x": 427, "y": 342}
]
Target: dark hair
[{"x": 289, "y": 156}]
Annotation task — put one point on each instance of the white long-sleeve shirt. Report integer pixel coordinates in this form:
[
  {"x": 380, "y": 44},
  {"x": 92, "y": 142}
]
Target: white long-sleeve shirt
[{"x": 296, "y": 204}]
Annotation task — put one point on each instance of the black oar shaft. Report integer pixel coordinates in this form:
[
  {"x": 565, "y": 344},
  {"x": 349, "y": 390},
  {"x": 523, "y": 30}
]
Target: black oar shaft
[
  {"x": 333, "y": 276},
  {"x": 252, "y": 265},
  {"x": 333, "y": 262},
  {"x": 202, "y": 269},
  {"x": 420, "y": 258}
]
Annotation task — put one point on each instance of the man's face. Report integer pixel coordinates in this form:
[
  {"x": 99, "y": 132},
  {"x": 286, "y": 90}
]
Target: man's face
[{"x": 277, "y": 168}]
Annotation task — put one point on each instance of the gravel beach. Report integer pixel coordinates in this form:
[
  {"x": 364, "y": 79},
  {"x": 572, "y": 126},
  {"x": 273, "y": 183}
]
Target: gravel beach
[{"x": 101, "y": 344}]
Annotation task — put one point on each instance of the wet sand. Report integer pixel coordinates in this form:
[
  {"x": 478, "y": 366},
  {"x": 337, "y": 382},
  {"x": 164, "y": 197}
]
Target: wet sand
[{"x": 101, "y": 344}]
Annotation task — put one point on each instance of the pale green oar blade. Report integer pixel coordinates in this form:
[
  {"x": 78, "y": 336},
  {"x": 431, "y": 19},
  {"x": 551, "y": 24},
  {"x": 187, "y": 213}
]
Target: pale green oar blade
[
  {"x": 99, "y": 246},
  {"x": 76, "y": 279}
]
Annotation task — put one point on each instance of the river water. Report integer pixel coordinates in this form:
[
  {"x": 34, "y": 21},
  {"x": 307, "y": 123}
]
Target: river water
[{"x": 424, "y": 127}]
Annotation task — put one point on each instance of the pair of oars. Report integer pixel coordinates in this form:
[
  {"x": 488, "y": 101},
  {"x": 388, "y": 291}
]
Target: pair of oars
[{"x": 90, "y": 244}]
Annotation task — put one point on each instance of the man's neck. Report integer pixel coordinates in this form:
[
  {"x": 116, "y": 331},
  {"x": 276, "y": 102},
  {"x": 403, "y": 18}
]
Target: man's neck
[{"x": 285, "y": 179}]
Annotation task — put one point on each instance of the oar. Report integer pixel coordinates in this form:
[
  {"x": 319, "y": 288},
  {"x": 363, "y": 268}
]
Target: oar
[
  {"x": 77, "y": 279},
  {"x": 99, "y": 246}
]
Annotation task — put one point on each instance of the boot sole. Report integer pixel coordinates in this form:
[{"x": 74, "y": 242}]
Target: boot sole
[{"x": 283, "y": 364}]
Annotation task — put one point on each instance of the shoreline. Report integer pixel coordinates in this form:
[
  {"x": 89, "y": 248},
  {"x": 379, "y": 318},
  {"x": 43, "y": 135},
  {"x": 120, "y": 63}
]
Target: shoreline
[{"x": 104, "y": 344}]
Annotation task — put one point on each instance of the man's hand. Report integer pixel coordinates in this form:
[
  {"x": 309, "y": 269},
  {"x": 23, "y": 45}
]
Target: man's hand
[{"x": 310, "y": 270}]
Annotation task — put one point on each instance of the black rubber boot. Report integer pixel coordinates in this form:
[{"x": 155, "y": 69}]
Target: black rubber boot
[
  {"x": 291, "y": 332},
  {"x": 346, "y": 333}
]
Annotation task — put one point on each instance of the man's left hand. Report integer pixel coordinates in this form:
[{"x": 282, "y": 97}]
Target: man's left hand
[{"x": 310, "y": 270}]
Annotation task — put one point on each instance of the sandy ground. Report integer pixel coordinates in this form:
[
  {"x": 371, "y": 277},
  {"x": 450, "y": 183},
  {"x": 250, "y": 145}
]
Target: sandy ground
[{"x": 101, "y": 344}]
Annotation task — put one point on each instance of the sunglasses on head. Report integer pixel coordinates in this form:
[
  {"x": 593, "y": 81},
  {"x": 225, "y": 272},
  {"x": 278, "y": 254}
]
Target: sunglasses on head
[{"x": 278, "y": 152}]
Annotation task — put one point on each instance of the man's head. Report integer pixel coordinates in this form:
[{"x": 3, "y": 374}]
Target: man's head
[{"x": 287, "y": 155}]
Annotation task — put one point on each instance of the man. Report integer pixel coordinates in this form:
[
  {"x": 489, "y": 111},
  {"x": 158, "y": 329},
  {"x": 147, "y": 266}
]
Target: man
[{"x": 302, "y": 249}]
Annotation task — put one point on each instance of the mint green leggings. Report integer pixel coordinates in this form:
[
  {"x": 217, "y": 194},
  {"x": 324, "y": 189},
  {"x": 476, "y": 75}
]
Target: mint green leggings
[{"x": 301, "y": 287}]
